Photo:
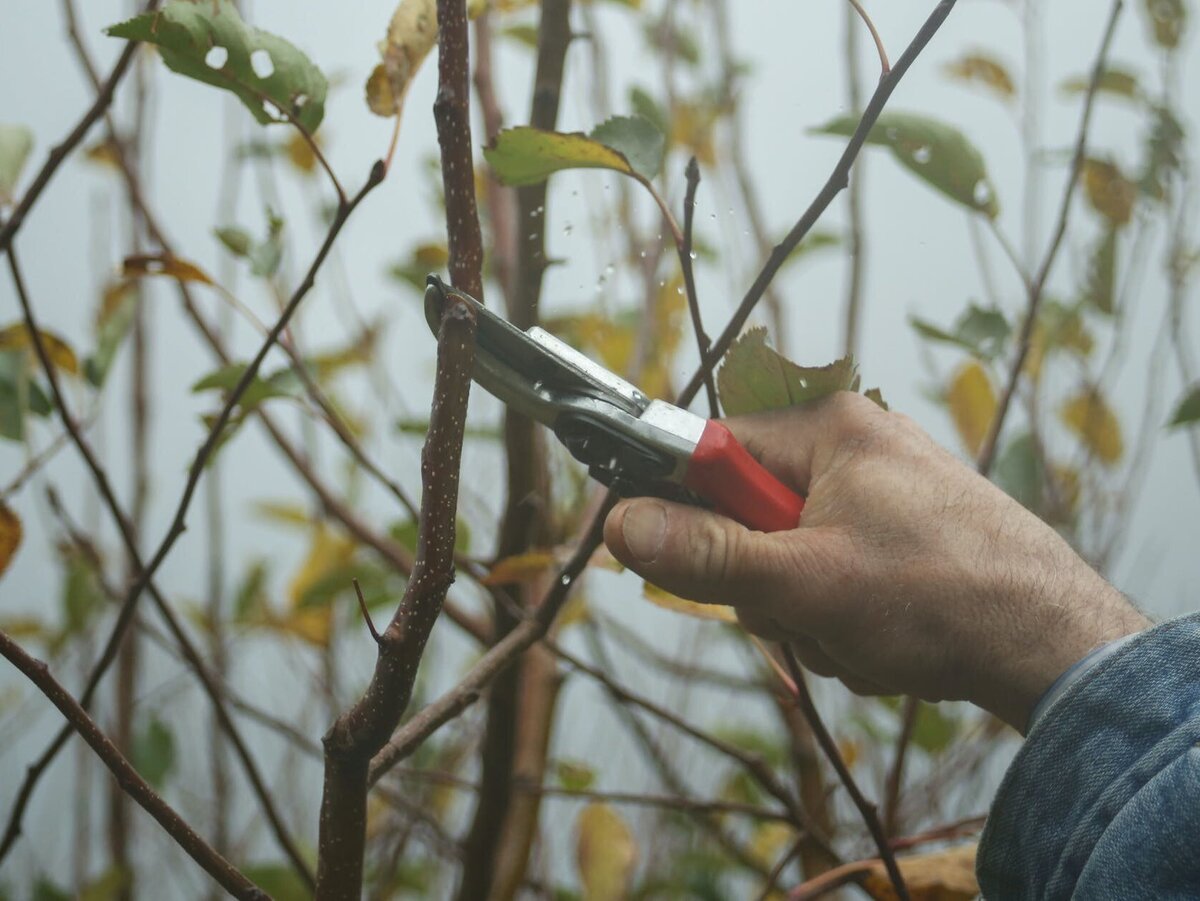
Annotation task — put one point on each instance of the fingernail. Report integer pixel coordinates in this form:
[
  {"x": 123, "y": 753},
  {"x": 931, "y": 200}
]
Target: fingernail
[{"x": 644, "y": 528}]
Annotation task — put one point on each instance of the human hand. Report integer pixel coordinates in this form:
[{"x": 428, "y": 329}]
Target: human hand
[{"x": 909, "y": 572}]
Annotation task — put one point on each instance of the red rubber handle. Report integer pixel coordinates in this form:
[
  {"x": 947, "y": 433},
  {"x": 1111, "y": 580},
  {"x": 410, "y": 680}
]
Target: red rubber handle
[{"x": 723, "y": 472}]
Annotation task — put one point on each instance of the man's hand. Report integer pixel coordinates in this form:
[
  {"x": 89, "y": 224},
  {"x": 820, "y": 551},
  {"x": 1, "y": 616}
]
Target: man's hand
[{"x": 909, "y": 572}]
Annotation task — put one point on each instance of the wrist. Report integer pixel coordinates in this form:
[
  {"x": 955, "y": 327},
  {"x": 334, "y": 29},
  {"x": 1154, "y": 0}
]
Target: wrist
[{"x": 1059, "y": 630}]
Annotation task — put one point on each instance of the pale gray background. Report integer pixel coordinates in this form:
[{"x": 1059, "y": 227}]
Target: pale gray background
[{"x": 919, "y": 260}]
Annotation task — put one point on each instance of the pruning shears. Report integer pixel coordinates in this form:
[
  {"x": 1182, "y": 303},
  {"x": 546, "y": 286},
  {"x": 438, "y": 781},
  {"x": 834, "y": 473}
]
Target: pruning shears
[{"x": 635, "y": 445}]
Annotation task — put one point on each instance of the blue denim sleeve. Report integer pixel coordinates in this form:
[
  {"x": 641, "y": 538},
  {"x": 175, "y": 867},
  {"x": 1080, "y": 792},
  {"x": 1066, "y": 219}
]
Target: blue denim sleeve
[{"x": 1103, "y": 800}]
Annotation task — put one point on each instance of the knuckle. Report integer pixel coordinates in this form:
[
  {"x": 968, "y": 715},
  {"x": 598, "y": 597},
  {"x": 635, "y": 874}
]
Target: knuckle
[{"x": 714, "y": 548}]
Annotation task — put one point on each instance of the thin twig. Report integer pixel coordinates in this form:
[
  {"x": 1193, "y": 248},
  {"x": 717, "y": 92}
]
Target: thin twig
[
  {"x": 366, "y": 614},
  {"x": 987, "y": 453},
  {"x": 837, "y": 180},
  {"x": 689, "y": 279},
  {"x": 865, "y": 808},
  {"x": 146, "y": 571},
  {"x": 130, "y": 781},
  {"x": 104, "y": 96},
  {"x": 884, "y": 66}
]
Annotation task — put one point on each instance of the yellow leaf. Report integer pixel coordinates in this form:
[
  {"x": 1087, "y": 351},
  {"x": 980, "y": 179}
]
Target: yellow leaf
[
  {"x": 1089, "y": 416},
  {"x": 144, "y": 265},
  {"x": 666, "y": 600},
  {"x": 521, "y": 568},
  {"x": 768, "y": 842},
  {"x": 411, "y": 34},
  {"x": 526, "y": 156},
  {"x": 1110, "y": 193},
  {"x": 979, "y": 67},
  {"x": 941, "y": 876},
  {"x": 605, "y": 853},
  {"x": 104, "y": 153},
  {"x": 972, "y": 403},
  {"x": 327, "y": 552},
  {"x": 16, "y": 337},
  {"x": 10, "y": 535},
  {"x": 300, "y": 152},
  {"x": 283, "y": 512},
  {"x": 692, "y": 127},
  {"x": 25, "y": 628},
  {"x": 574, "y": 611},
  {"x": 848, "y": 748},
  {"x": 432, "y": 255}
]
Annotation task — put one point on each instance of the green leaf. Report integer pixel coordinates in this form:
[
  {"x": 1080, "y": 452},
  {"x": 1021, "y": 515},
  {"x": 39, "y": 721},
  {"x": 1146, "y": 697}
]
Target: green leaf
[
  {"x": 644, "y": 105},
  {"x": 933, "y": 730},
  {"x": 111, "y": 885},
  {"x": 45, "y": 890},
  {"x": 527, "y": 155},
  {"x": 637, "y": 139},
  {"x": 574, "y": 775},
  {"x": 522, "y": 34},
  {"x": 754, "y": 377},
  {"x": 280, "y": 881},
  {"x": 250, "y": 603},
  {"x": 282, "y": 383},
  {"x": 938, "y": 153},
  {"x": 417, "y": 426},
  {"x": 1099, "y": 289},
  {"x": 14, "y": 394},
  {"x": 1187, "y": 411},
  {"x": 15, "y": 143},
  {"x": 268, "y": 74},
  {"x": 1019, "y": 473},
  {"x": 983, "y": 332},
  {"x": 404, "y": 533},
  {"x": 153, "y": 752},
  {"x": 117, "y": 308},
  {"x": 1164, "y": 154},
  {"x": 236, "y": 240},
  {"x": 1113, "y": 82}
]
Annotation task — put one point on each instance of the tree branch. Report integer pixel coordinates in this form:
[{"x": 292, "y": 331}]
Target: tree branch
[
  {"x": 689, "y": 279},
  {"x": 837, "y": 180},
  {"x": 865, "y": 808},
  {"x": 363, "y": 729},
  {"x": 62, "y": 150},
  {"x": 987, "y": 453},
  {"x": 127, "y": 777}
]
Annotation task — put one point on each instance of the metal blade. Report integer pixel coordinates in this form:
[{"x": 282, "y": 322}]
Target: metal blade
[{"x": 526, "y": 369}]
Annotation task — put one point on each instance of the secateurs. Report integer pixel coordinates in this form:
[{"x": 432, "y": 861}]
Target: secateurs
[{"x": 633, "y": 444}]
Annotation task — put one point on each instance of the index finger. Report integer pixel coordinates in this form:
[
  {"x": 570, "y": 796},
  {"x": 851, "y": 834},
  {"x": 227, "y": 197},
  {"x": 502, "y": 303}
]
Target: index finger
[{"x": 795, "y": 444}]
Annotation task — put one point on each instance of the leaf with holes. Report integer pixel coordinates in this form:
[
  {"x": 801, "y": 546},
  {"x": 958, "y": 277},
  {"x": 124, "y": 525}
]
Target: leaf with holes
[
  {"x": 605, "y": 853},
  {"x": 208, "y": 41},
  {"x": 662, "y": 598},
  {"x": 411, "y": 34},
  {"x": 972, "y": 403},
  {"x": 754, "y": 377},
  {"x": 637, "y": 139},
  {"x": 1093, "y": 421},
  {"x": 1109, "y": 192},
  {"x": 527, "y": 155},
  {"x": 980, "y": 68},
  {"x": 10, "y": 535},
  {"x": 938, "y": 153},
  {"x": 15, "y": 143},
  {"x": 1187, "y": 411},
  {"x": 145, "y": 265}
]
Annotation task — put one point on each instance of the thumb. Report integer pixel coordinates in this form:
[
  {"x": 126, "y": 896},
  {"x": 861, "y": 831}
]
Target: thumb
[{"x": 698, "y": 554}]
